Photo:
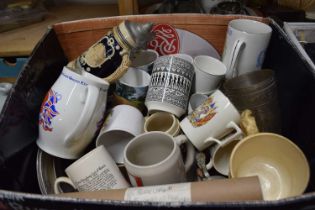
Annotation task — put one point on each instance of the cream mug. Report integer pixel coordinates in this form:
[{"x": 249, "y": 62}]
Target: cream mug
[
  {"x": 281, "y": 166},
  {"x": 162, "y": 121}
]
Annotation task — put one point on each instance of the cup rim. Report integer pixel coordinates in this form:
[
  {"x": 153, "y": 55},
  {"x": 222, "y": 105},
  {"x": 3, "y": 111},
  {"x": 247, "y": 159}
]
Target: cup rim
[
  {"x": 266, "y": 78},
  {"x": 172, "y": 127},
  {"x": 147, "y": 76},
  {"x": 173, "y": 56},
  {"x": 153, "y": 52},
  {"x": 207, "y": 71},
  {"x": 139, "y": 138},
  {"x": 263, "y": 27},
  {"x": 84, "y": 158},
  {"x": 88, "y": 78},
  {"x": 230, "y": 102}
]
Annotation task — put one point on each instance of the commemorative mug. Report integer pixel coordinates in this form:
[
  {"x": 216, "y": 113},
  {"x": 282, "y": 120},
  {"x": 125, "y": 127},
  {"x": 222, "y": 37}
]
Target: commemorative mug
[
  {"x": 195, "y": 100},
  {"x": 155, "y": 158},
  {"x": 71, "y": 114},
  {"x": 214, "y": 121},
  {"x": 170, "y": 84},
  {"x": 245, "y": 46},
  {"x": 96, "y": 170}
]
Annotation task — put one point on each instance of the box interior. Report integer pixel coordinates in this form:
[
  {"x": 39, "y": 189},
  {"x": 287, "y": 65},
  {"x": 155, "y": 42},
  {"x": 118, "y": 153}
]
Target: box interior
[{"x": 65, "y": 41}]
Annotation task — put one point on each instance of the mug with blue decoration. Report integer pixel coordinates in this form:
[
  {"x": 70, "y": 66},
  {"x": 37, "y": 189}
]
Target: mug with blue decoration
[
  {"x": 245, "y": 46},
  {"x": 71, "y": 114}
]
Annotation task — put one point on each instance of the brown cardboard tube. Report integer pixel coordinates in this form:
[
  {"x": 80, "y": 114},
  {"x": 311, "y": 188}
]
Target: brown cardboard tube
[{"x": 219, "y": 190}]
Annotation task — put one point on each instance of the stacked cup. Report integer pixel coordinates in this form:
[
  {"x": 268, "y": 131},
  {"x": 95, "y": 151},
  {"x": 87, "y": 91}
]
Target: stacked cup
[{"x": 256, "y": 91}]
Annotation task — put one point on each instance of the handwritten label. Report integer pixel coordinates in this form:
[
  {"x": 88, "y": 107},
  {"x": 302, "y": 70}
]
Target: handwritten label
[{"x": 162, "y": 193}]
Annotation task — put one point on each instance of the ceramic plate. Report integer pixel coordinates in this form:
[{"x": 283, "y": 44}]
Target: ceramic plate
[
  {"x": 48, "y": 168},
  {"x": 169, "y": 40}
]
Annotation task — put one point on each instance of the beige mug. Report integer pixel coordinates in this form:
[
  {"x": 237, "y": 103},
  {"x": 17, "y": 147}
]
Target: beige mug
[{"x": 162, "y": 121}]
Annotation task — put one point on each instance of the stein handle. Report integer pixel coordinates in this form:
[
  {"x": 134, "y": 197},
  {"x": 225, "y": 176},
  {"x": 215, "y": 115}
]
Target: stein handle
[
  {"x": 190, "y": 156},
  {"x": 238, "y": 46},
  {"x": 89, "y": 107},
  {"x": 59, "y": 180}
]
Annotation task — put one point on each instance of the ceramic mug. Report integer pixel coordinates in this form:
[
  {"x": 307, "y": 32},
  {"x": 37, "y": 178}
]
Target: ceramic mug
[
  {"x": 212, "y": 122},
  {"x": 209, "y": 72},
  {"x": 170, "y": 85},
  {"x": 144, "y": 60},
  {"x": 281, "y": 166},
  {"x": 155, "y": 158},
  {"x": 96, "y": 170},
  {"x": 132, "y": 88},
  {"x": 71, "y": 113},
  {"x": 123, "y": 123},
  {"x": 195, "y": 100},
  {"x": 245, "y": 46},
  {"x": 220, "y": 157},
  {"x": 162, "y": 121}
]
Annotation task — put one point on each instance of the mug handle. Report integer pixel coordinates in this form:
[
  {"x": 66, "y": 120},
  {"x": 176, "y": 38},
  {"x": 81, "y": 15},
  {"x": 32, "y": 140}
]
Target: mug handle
[
  {"x": 59, "y": 180},
  {"x": 226, "y": 140},
  {"x": 238, "y": 46},
  {"x": 180, "y": 139},
  {"x": 89, "y": 107}
]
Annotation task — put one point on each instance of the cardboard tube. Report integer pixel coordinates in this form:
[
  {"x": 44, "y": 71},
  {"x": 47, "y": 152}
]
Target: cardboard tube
[{"x": 219, "y": 190}]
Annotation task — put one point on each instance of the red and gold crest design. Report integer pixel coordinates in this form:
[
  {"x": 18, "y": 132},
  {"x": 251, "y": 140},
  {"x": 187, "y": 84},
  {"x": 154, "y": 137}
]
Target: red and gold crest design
[
  {"x": 166, "y": 40},
  {"x": 203, "y": 113}
]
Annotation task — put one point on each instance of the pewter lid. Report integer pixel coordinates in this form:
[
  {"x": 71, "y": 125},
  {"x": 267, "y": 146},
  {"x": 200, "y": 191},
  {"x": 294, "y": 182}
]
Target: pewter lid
[{"x": 140, "y": 32}]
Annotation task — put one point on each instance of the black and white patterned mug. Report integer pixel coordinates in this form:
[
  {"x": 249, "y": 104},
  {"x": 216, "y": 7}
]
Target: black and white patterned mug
[{"x": 170, "y": 84}]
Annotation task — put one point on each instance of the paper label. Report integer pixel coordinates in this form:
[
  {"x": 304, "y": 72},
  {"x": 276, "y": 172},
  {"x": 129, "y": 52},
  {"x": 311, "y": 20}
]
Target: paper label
[{"x": 161, "y": 193}]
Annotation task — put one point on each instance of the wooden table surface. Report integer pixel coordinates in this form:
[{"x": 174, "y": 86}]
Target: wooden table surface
[{"x": 21, "y": 41}]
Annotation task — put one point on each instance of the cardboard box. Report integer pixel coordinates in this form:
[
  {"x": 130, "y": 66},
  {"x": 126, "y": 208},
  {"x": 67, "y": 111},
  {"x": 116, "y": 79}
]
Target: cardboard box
[{"x": 65, "y": 41}]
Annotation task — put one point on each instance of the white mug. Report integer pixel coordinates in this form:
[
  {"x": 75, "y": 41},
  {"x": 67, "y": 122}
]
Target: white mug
[
  {"x": 96, "y": 170},
  {"x": 154, "y": 158},
  {"x": 144, "y": 60},
  {"x": 132, "y": 88},
  {"x": 71, "y": 113},
  {"x": 209, "y": 72},
  {"x": 245, "y": 46},
  {"x": 162, "y": 121},
  {"x": 195, "y": 100},
  {"x": 170, "y": 85},
  {"x": 220, "y": 156},
  {"x": 212, "y": 122},
  {"x": 123, "y": 123}
]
